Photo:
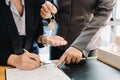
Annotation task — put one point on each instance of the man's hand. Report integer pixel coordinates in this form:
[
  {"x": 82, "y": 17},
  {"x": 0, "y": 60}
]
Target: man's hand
[
  {"x": 26, "y": 61},
  {"x": 71, "y": 55},
  {"x": 54, "y": 40},
  {"x": 47, "y": 9}
]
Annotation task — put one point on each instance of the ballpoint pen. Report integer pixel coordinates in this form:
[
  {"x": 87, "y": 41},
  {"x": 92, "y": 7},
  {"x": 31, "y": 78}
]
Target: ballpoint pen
[
  {"x": 41, "y": 63},
  {"x": 26, "y": 50}
]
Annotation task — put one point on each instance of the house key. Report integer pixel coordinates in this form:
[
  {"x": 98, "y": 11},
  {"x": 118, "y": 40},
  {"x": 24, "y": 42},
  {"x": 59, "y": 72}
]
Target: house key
[{"x": 51, "y": 25}]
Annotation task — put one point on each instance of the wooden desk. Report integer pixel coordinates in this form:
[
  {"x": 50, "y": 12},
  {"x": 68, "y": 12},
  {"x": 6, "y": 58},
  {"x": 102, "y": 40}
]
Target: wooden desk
[{"x": 2, "y": 71}]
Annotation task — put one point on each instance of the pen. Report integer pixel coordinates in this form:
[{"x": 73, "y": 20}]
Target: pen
[
  {"x": 26, "y": 50},
  {"x": 41, "y": 63}
]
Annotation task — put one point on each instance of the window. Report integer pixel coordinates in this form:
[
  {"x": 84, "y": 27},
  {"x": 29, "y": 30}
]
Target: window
[{"x": 117, "y": 10}]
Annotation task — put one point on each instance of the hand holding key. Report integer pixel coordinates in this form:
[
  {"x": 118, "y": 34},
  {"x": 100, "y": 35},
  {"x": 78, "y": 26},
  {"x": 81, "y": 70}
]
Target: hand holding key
[{"x": 47, "y": 10}]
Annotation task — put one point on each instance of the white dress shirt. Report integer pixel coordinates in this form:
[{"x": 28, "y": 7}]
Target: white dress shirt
[{"x": 19, "y": 20}]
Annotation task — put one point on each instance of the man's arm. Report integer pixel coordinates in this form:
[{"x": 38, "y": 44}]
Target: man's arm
[{"x": 87, "y": 40}]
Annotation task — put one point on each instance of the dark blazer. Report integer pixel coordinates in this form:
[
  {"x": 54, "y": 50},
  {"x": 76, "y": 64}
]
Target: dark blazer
[
  {"x": 10, "y": 41},
  {"x": 81, "y": 22}
]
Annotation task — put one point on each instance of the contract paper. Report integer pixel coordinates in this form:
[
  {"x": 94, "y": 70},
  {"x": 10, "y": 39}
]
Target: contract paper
[{"x": 44, "y": 72}]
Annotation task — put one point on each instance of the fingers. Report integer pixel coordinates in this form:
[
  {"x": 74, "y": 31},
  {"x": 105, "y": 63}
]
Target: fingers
[
  {"x": 33, "y": 61},
  {"x": 34, "y": 57},
  {"x": 62, "y": 59},
  {"x": 68, "y": 58},
  {"x": 29, "y": 64},
  {"x": 73, "y": 60},
  {"x": 56, "y": 41},
  {"x": 78, "y": 59},
  {"x": 51, "y": 7},
  {"x": 44, "y": 14},
  {"x": 28, "y": 61},
  {"x": 71, "y": 55},
  {"x": 47, "y": 9}
]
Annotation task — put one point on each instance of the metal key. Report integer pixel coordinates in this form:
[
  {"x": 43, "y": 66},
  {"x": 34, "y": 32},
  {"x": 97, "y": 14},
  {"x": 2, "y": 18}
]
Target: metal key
[{"x": 51, "y": 25}]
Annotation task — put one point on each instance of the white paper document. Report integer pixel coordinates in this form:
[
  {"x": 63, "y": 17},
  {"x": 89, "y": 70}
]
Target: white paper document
[{"x": 44, "y": 72}]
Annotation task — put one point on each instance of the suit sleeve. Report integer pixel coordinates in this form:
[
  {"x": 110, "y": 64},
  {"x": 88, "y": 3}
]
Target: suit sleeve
[
  {"x": 89, "y": 39},
  {"x": 3, "y": 59}
]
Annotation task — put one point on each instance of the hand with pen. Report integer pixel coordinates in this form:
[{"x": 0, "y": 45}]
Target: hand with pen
[{"x": 25, "y": 61}]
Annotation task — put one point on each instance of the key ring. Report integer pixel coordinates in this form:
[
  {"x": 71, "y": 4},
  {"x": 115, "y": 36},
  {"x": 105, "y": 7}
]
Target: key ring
[
  {"x": 52, "y": 21},
  {"x": 53, "y": 17}
]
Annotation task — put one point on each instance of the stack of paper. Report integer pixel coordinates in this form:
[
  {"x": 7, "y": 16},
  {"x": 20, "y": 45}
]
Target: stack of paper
[
  {"x": 109, "y": 56},
  {"x": 117, "y": 43},
  {"x": 45, "y": 72},
  {"x": 117, "y": 38}
]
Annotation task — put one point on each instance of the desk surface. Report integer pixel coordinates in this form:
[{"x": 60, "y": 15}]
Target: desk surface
[
  {"x": 91, "y": 69},
  {"x": 2, "y": 72}
]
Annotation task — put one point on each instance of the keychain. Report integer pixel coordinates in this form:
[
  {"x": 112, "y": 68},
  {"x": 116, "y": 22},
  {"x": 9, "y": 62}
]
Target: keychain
[{"x": 51, "y": 25}]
